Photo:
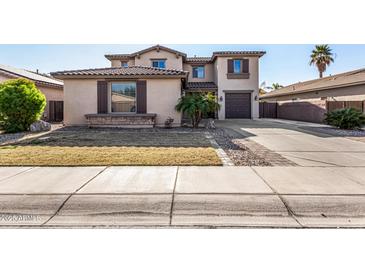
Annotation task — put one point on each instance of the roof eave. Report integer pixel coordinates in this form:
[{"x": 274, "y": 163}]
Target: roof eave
[
  {"x": 294, "y": 92},
  {"x": 38, "y": 82},
  {"x": 259, "y": 55},
  {"x": 80, "y": 77}
]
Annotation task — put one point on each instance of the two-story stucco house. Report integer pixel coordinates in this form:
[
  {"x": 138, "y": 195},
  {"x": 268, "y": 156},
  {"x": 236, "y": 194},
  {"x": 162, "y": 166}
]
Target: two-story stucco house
[{"x": 142, "y": 88}]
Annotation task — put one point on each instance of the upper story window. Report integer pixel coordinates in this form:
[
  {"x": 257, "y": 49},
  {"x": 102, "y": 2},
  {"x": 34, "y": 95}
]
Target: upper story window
[
  {"x": 159, "y": 63},
  {"x": 237, "y": 66},
  {"x": 199, "y": 72},
  {"x": 124, "y": 64},
  {"x": 238, "y": 69}
]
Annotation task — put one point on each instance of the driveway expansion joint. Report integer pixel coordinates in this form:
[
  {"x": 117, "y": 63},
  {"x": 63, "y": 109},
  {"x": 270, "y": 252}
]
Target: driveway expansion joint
[
  {"x": 68, "y": 198},
  {"x": 290, "y": 211},
  {"x": 173, "y": 196}
]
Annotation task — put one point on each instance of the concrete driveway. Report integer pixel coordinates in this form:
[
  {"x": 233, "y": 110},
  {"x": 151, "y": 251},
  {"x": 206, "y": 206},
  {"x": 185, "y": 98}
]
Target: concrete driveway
[{"x": 298, "y": 143}]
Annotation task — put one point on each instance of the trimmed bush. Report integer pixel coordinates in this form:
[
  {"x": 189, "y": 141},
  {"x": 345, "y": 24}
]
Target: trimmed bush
[
  {"x": 346, "y": 118},
  {"x": 21, "y": 104}
]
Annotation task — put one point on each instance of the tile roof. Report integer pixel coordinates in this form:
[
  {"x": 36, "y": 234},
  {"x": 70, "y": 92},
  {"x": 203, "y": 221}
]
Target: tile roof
[
  {"x": 201, "y": 85},
  {"x": 350, "y": 78},
  {"x": 198, "y": 59},
  {"x": 38, "y": 78},
  {"x": 245, "y": 52},
  {"x": 120, "y": 72},
  {"x": 155, "y": 47}
]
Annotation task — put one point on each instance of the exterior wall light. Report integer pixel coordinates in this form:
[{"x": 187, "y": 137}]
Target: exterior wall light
[{"x": 221, "y": 99}]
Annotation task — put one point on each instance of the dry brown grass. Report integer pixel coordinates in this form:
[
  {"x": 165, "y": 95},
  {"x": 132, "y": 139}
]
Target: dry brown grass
[{"x": 99, "y": 156}]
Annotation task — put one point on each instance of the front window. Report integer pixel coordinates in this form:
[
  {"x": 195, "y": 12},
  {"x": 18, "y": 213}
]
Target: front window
[
  {"x": 237, "y": 66},
  {"x": 123, "y": 97},
  {"x": 159, "y": 63},
  {"x": 124, "y": 64},
  {"x": 198, "y": 72}
]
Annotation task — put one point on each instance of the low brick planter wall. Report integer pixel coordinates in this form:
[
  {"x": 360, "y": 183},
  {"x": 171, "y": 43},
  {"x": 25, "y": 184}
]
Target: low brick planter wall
[{"x": 121, "y": 120}]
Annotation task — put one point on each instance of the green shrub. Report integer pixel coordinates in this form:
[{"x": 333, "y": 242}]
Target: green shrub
[
  {"x": 196, "y": 105},
  {"x": 346, "y": 118},
  {"x": 21, "y": 104}
]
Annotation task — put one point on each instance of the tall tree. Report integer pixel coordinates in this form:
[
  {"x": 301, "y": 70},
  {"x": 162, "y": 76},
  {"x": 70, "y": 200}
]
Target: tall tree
[
  {"x": 276, "y": 86},
  {"x": 321, "y": 57}
]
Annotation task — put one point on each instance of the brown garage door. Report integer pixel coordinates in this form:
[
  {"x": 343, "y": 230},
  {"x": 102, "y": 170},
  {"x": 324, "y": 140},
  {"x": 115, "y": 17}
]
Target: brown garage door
[{"x": 238, "y": 105}]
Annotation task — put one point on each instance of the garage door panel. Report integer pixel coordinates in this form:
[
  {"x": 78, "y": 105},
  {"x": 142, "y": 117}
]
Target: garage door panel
[{"x": 238, "y": 105}]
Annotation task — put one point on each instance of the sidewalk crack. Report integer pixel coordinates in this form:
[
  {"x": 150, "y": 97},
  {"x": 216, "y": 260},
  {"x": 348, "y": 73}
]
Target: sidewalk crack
[
  {"x": 173, "y": 196},
  {"x": 73, "y": 193},
  {"x": 290, "y": 212}
]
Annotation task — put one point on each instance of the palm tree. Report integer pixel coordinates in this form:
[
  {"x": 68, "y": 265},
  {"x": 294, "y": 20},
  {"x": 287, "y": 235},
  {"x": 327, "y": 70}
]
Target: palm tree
[
  {"x": 321, "y": 57},
  {"x": 276, "y": 86},
  {"x": 196, "y": 105}
]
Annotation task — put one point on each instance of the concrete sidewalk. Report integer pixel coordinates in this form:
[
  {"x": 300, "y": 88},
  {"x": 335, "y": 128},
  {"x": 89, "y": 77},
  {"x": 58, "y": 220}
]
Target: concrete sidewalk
[{"x": 182, "y": 196}]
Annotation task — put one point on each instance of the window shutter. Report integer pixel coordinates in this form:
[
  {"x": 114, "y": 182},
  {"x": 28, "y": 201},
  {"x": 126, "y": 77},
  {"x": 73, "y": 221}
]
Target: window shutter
[
  {"x": 102, "y": 95},
  {"x": 245, "y": 66},
  {"x": 230, "y": 66},
  {"x": 141, "y": 96}
]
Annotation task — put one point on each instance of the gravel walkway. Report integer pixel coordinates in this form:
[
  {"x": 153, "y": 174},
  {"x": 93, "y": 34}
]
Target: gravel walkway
[{"x": 9, "y": 138}]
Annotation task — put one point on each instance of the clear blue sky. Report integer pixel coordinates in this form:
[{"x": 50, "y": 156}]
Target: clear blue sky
[{"x": 284, "y": 64}]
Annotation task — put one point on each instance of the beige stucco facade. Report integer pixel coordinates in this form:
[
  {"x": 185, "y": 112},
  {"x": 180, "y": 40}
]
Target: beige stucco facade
[
  {"x": 209, "y": 72},
  {"x": 163, "y": 92},
  {"x": 349, "y": 93},
  {"x": 81, "y": 99},
  {"x": 237, "y": 85},
  {"x": 173, "y": 61},
  {"x": 162, "y": 97},
  {"x": 52, "y": 94}
]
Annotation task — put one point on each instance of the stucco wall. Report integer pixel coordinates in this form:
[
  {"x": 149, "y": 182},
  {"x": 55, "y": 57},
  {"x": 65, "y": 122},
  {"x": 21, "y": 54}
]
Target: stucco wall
[
  {"x": 251, "y": 84},
  {"x": 162, "y": 96},
  {"x": 3, "y": 78},
  {"x": 171, "y": 61},
  {"x": 52, "y": 94},
  {"x": 118, "y": 63},
  {"x": 209, "y": 73},
  {"x": 115, "y": 63},
  {"x": 352, "y": 93},
  {"x": 80, "y": 98}
]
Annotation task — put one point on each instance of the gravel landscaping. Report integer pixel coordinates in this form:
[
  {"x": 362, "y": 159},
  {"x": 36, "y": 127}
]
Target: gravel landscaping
[{"x": 229, "y": 141}]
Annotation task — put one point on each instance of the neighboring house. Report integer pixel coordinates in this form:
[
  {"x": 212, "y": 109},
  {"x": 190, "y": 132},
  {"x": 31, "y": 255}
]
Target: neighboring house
[
  {"x": 142, "y": 88},
  {"x": 348, "y": 86},
  {"x": 50, "y": 87}
]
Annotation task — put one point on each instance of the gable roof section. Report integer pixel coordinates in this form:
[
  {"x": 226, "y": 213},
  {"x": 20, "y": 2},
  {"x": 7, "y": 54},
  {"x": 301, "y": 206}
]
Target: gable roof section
[
  {"x": 121, "y": 72},
  {"x": 155, "y": 47},
  {"x": 350, "y": 78},
  {"x": 37, "y": 78}
]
